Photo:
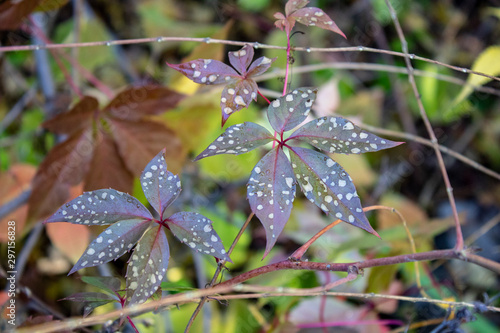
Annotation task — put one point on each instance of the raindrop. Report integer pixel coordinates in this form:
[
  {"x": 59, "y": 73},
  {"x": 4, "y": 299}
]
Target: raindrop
[
  {"x": 207, "y": 40},
  {"x": 159, "y": 39},
  {"x": 37, "y": 47},
  {"x": 256, "y": 45},
  {"x": 464, "y": 70},
  {"x": 361, "y": 48},
  {"x": 108, "y": 43},
  {"x": 308, "y": 50},
  {"x": 412, "y": 56}
]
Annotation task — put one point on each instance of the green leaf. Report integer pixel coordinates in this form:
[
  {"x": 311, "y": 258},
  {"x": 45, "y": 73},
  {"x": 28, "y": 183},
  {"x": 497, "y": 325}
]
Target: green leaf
[
  {"x": 109, "y": 284},
  {"x": 487, "y": 63}
]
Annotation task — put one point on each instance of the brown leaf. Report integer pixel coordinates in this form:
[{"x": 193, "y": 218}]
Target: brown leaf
[
  {"x": 115, "y": 173},
  {"x": 15, "y": 181},
  {"x": 139, "y": 141},
  {"x": 79, "y": 117},
  {"x": 12, "y": 13},
  {"x": 70, "y": 239},
  {"x": 65, "y": 165},
  {"x": 137, "y": 102}
]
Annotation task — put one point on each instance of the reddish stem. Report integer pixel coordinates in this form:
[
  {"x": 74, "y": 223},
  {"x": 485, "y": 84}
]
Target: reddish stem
[
  {"x": 264, "y": 97},
  {"x": 288, "y": 47}
]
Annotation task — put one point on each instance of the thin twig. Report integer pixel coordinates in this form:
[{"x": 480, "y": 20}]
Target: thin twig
[
  {"x": 364, "y": 66},
  {"x": 411, "y": 78},
  {"x": 483, "y": 230},
  {"x": 427, "y": 142},
  {"x": 4, "y": 49},
  {"x": 217, "y": 272}
]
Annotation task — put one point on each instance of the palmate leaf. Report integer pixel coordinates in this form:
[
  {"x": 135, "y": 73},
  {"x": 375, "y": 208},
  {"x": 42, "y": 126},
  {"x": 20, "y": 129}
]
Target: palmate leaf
[
  {"x": 240, "y": 87},
  {"x": 288, "y": 111},
  {"x": 112, "y": 243},
  {"x": 271, "y": 191},
  {"x": 339, "y": 135},
  {"x": 238, "y": 139},
  {"x": 147, "y": 266},
  {"x": 325, "y": 183},
  {"x": 100, "y": 207},
  {"x": 196, "y": 231},
  {"x": 160, "y": 186}
]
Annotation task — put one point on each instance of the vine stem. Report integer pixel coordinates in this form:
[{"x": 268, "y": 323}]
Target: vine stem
[
  {"x": 217, "y": 272},
  {"x": 287, "y": 71},
  {"x": 234, "y": 285},
  {"x": 459, "y": 246}
]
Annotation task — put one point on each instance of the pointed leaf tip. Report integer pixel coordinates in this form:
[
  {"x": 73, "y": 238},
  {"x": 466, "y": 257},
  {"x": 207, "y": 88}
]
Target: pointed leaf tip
[
  {"x": 339, "y": 135},
  {"x": 100, "y": 207},
  {"x": 238, "y": 139}
]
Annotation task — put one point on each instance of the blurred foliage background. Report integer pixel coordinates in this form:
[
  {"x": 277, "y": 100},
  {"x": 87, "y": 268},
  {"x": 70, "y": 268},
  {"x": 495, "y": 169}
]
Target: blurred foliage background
[{"x": 462, "y": 33}]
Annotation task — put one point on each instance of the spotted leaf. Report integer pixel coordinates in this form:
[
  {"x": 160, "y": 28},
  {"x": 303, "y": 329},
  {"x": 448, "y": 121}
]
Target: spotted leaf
[
  {"x": 293, "y": 5},
  {"x": 147, "y": 265},
  {"x": 339, "y": 135},
  {"x": 259, "y": 66},
  {"x": 236, "y": 96},
  {"x": 100, "y": 207},
  {"x": 112, "y": 243},
  {"x": 242, "y": 58},
  {"x": 271, "y": 191},
  {"x": 238, "y": 139},
  {"x": 325, "y": 183},
  {"x": 288, "y": 111},
  {"x": 312, "y": 16},
  {"x": 196, "y": 231},
  {"x": 206, "y": 71},
  {"x": 160, "y": 186}
]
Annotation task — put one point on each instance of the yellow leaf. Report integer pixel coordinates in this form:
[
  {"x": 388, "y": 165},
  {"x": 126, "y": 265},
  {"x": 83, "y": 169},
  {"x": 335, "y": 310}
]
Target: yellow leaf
[{"x": 487, "y": 63}]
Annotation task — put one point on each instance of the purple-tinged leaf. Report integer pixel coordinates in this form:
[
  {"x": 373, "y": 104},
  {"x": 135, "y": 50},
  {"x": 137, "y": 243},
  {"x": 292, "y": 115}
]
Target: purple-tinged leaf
[
  {"x": 206, "y": 71},
  {"x": 259, "y": 66},
  {"x": 242, "y": 58},
  {"x": 293, "y": 5},
  {"x": 110, "y": 284},
  {"x": 100, "y": 207},
  {"x": 325, "y": 183},
  {"x": 196, "y": 231},
  {"x": 147, "y": 265},
  {"x": 112, "y": 243},
  {"x": 312, "y": 16},
  {"x": 284, "y": 23},
  {"x": 339, "y": 135},
  {"x": 271, "y": 191},
  {"x": 288, "y": 111},
  {"x": 90, "y": 306},
  {"x": 238, "y": 139},
  {"x": 236, "y": 96},
  {"x": 160, "y": 186}
]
